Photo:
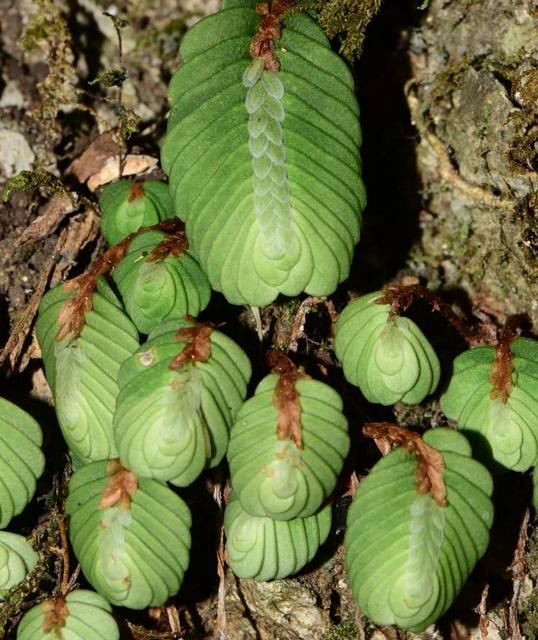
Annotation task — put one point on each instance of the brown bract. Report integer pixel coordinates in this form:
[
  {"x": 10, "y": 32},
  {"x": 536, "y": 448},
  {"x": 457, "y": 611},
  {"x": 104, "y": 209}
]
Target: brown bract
[
  {"x": 174, "y": 244},
  {"x": 136, "y": 191},
  {"x": 430, "y": 464},
  {"x": 120, "y": 488},
  {"x": 56, "y": 613},
  {"x": 262, "y": 44},
  {"x": 71, "y": 317},
  {"x": 285, "y": 397},
  {"x": 198, "y": 347},
  {"x": 501, "y": 373}
]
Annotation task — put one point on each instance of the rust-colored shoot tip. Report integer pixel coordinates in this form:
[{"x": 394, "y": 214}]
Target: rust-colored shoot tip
[
  {"x": 198, "y": 347},
  {"x": 56, "y": 613},
  {"x": 430, "y": 464},
  {"x": 503, "y": 367},
  {"x": 136, "y": 191},
  {"x": 120, "y": 488}
]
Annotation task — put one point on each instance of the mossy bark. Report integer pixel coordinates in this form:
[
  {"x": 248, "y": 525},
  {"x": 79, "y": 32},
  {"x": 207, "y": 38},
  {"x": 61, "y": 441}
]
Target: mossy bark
[{"x": 473, "y": 96}]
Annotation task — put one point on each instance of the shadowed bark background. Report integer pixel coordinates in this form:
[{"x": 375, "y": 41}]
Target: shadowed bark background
[{"x": 449, "y": 100}]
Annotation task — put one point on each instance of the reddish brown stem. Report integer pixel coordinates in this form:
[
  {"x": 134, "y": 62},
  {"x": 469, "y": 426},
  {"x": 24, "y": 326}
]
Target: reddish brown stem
[
  {"x": 71, "y": 316},
  {"x": 285, "y": 397},
  {"x": 501, "y": 373},
  {"x": 120, "y": 488},
  {"x": 198, "y": 347},
  {"x": 430, "y": 464},
  {"x": 401, "y": 297},
  {"x": 262, "y": 44}
]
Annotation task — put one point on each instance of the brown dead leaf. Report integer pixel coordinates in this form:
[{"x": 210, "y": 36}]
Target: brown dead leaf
[
  {"x": 116, "y": 167},
  {"x": 59, "y": 206},
  {"x": 120, "y": 488},
  {"x": 430, "y": 464},
  {"x": 94, "y": 158}
]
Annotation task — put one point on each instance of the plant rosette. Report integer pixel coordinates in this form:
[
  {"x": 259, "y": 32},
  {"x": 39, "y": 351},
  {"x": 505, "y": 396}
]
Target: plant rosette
[
  {"x": 126, "y": 206},
  {"x": 266, "y": 549},
  {"x": 81, "y": 615},
  {"x": 416, "y": 528},
  {"x": 84, "y": 338},
  {"x": 131, "y": 535},
  {"x": 159, "y": 280},
  {"x": 287, "y": 446},
  {"x": 386, "y": 356},
  {"x": 262, "y": 153},
  {"x": 179, "y": 395},
  {"x": 504, "y": 414},
  {"x": 17, "y": 559},
  {"x": 21, "y": 460}
]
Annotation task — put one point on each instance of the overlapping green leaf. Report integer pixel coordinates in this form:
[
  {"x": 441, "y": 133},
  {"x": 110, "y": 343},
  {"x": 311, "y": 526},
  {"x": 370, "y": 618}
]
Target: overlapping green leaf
[
  {"x": 173, "y": 421},
  {"x": 274, "y": 477},
  {"x": 21, "y": 460},
  {"x": 82, "y": 615},
  {"x": 510, "y": 428},
  {"x": 388, "y": 358},
  {"x": 408, "y": 557},
  {"x": 267, "y": 549},
  {"x": 17, "y": 559},
  {"x": 135, "y": 551},
  {"x": 264, "y": 167},
  {"x": 82, "y": 371},
  {"x": 156, "y": 289},
  {"x": 126, "y": 206}
]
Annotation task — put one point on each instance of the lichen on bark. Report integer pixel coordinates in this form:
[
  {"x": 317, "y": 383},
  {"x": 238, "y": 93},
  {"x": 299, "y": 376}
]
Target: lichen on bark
[{"x": 473, "y": 98}]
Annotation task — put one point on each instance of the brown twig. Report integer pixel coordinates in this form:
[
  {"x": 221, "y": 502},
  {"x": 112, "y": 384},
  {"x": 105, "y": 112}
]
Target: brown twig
[
  {"x": 297, "y": 329},
  {"x": 482, "y": 611},
  {"x": 430, "y": 464},
  {"x": 518, "y": 576}
]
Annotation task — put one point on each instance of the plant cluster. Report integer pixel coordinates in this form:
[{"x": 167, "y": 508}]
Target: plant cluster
[{"x": 264, "y": 176}]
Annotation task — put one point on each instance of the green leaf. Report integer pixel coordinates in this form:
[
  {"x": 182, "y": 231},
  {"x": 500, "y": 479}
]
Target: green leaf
[
  {"x": 21, "y": 460},
  {"x": 273, "y": 476},
  {"x": 17, "y": 559},
  {"x": 266, "y": 549},
  {"x": 509, "y": 428},
  {"x": 173, "y": 421},
  {"x": 388, "y": 358},
  {"x": 158, "y": 289},
  {"x": 126, "y": 206},
  {"x": 82, "y": 371},
  {"x": 83, "y": 614},
  {"x": 130, "y": 535},
  {"x": 408, "y": 557},
  {"x": 268, "y": 182}
]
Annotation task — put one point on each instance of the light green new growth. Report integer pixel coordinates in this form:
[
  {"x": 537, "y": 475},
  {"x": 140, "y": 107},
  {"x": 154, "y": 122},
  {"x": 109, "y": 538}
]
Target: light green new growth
[
  {"x": 508, "y": 425},
  {"x": 427, "y": 532},
  {"x": 271, "y": 187}
]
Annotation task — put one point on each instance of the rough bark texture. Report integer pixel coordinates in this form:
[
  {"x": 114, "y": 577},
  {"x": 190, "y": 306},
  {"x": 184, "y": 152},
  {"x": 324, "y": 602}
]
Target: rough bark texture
[{"x": 474, "y": 99}]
